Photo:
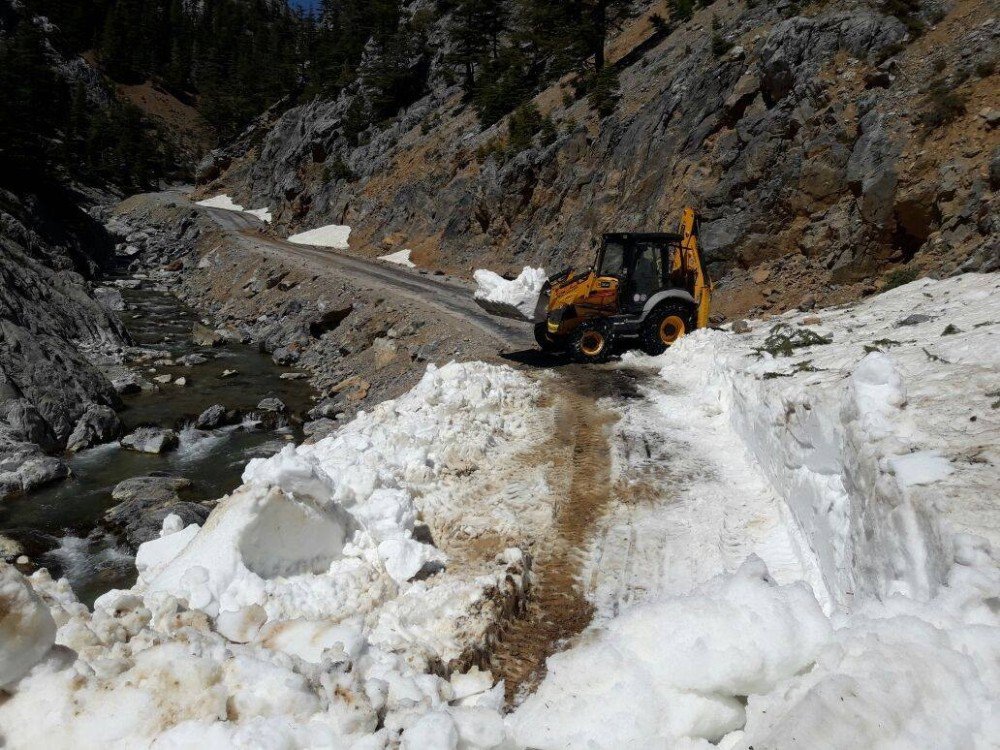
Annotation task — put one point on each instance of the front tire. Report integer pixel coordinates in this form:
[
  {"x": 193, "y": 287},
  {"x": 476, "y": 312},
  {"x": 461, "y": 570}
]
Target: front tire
[
  {"x": 546, "y": 341},
  {"x": 591, "y": 342},
  {"x": 664, "y": 326}
]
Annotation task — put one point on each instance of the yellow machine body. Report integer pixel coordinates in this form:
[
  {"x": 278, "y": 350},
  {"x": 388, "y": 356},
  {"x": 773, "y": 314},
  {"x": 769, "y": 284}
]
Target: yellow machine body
[{"x": 575, "y": 298}]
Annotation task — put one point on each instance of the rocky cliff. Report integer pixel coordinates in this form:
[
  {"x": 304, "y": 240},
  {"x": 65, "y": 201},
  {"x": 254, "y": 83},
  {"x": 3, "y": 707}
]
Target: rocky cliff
[
  {"x": 52, "y": 332},
  {"x": 823, "y": 146}
]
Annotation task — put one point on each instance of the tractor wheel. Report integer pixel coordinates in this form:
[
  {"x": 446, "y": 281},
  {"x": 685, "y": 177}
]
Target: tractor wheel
[
  {"x": 591, "y": 341},
  {"x": 546, "y": 341},
  {"x": 664, "y": 326}
]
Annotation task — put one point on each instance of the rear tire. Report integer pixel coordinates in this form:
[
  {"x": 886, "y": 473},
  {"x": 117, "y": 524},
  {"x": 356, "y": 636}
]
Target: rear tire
[
  {"x": 664, "y": 326},
  {"x": 591, "y": 342},
  {"x": 546, "y": 341}
]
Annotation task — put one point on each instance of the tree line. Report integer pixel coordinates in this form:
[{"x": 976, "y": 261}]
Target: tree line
[{"x": 232, "y": 59}]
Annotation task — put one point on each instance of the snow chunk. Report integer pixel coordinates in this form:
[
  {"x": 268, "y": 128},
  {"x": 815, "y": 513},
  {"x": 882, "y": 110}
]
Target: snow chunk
[
  {"x": 922, "y": 467},
  {"x": 404, "y": 558},
  {"x": 27, "y": 630},
  {"x": 334, "y": 235},
  {"x": 401, "y": 258},
  {"x": 510, "y": 299},
  {"x": 676, "y": 667}
]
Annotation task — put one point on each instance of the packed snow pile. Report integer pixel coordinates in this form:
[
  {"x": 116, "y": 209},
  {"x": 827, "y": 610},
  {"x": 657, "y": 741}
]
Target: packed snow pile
[
  {"x": 306, "y": 612},
  {"x": 400, "y": 258},
  {"x": 877, "y": 427},
  {"x": 801, "y": 553},
  {"x": 228, "y": 204},
  {"x": 335, "y": 236},
  {"x": 510, "y": 299}
]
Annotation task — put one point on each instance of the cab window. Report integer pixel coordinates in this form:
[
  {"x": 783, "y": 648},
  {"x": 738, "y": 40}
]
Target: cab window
[
  {"x": 648, "y": 270},
  {"x": 612, "y": 259}
]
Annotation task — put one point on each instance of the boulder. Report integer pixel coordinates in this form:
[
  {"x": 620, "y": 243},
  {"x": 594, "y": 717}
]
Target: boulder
[
  {"x": 215, "y": 416},
  {"x": 190, "y": 360},
  {"x": 202, "y": 335},
  {"x": 99, "y": 424},
  {"x": 319, "y": 429},
  {"x": 144, "y": 503},
  {"x": 128, "y": 382},
  {"x": 286, "y": 355},
  {"x": 40, "y": 471},
  {"x": 151, "y": 440},
  {"x": 274, "y": 405},
  {"x": 26, "y": 422}
]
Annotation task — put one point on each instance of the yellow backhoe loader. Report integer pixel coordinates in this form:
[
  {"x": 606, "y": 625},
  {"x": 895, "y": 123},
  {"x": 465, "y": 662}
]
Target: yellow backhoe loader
[{"x": 651, "y": 288}]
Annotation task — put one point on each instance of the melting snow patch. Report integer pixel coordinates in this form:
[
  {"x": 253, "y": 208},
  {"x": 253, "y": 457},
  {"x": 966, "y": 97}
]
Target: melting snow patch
[
  {"x": 401, "y": 258},
  {"x": 334, "y": 235},
  {"x": 228, "y": 204},
  {"x": 221, "y": 201},
  {"x": 510, "y": 299}
]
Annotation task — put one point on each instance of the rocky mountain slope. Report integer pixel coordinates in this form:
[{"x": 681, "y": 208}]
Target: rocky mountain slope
[{"x": 823, "y": 145}]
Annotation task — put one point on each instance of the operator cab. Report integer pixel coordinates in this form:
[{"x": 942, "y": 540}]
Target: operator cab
[{"x": 643, "y": 263}]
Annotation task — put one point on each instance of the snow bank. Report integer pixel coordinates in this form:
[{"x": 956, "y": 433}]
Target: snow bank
[
  {"x": 228, "y": 204},
  {"x": 676, "y": 668},
  {"x": 301, "y": 614},
  {"x": 881, "y": 440},
  {"x": 742, "y": 662},
  {"x": 221, "y": 201},
  {"x": 401, "y": 258},
  {"x": 334, "y": 235},
  {"x": 510, "y": 299},
  {"x": 876, "y": 427}
]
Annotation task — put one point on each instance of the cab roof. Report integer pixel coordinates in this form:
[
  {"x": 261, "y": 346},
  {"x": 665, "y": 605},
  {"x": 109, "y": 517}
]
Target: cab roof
[{"x": 665, "y": 237}]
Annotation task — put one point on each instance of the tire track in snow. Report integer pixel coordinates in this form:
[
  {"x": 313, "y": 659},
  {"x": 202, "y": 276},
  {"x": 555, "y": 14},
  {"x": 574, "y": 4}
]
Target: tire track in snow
[{"x": 579, "y": 450}]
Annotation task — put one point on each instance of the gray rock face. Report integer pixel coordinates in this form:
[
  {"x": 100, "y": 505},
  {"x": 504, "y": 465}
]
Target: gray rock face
[
  {"x": 47, "y": 319},
  {"x": 99, "y": 424},
  {"x": 143, "y": 503},
  {"x": 151, "y": 440},
  {"x": 793, "y": 145}
]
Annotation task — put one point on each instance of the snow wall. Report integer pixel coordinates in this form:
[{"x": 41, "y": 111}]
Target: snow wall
[{"x": 848, "y": 432}]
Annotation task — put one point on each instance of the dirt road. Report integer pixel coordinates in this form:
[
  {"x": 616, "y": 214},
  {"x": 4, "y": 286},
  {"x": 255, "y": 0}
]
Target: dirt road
[{"x": 446, "y": 294}]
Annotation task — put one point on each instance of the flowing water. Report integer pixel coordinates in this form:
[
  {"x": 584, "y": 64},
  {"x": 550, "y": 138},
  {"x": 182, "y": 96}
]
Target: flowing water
[{"x": 60, "y": 525}]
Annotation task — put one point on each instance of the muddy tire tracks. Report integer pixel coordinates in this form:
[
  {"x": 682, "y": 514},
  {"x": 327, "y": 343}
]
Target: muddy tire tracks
[{"x": 557, "y": 609}]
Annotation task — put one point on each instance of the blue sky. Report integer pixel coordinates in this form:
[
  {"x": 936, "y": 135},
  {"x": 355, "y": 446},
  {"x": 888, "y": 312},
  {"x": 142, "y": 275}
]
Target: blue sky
[{"x": 307, "y": 4}]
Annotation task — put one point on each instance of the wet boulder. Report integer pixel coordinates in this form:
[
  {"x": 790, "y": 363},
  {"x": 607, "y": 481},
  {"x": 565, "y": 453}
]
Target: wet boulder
[
  {"x": 99, "y": 424},
  {"x": 275, "y": 405},
  {"x": 151, "y": 440},
  {"x": 216, "y": 416},
  {"x": 41, "y": 470},
  {"x": 144, "y": 502}
]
